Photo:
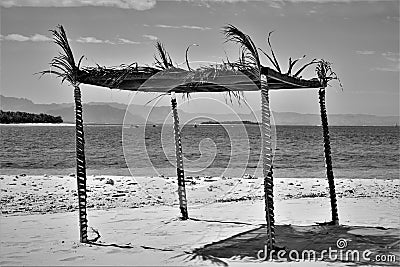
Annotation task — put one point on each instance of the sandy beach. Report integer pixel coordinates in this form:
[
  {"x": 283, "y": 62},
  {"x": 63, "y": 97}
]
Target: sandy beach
[{"x": 138, "y": 220}]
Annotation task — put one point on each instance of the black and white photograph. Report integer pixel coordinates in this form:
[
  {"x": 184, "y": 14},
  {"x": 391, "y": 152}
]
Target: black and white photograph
[{"x": 200, "y": 133}]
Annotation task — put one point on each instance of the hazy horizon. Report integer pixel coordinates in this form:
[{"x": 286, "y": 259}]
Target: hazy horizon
[{"x": 188, "y": 111}]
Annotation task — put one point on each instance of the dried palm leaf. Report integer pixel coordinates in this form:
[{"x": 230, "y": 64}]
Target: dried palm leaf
[
  {"x": 249, "y": 58},
  {"x": 326, "y": 74},
  {"x": 165, "y": 61},
  {"x": 272, "y": 52},
  {"x": 186, "y": 56},
  {"x": 314, "y": 61},
  {"x": 64, "y": 62},
  {"x": 292, "y": 63}
]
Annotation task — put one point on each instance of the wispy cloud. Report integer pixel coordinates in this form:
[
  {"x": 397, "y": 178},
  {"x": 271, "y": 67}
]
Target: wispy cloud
[
  {"x": 394, "y": 62},
  {"x": 151, "y": 37},
  {"x": 94, "y": 40},
  {"x": 391, "y": 56},
  {"x": 90, "y": 40},
  {"x": 125, "y": 4},
  {"x": 22, "y": 38},
  {"x": 365, "y": 52},
  {"x": 276, "y": 4},
  {"x": 42, "y": 38},
  {"x": 317, "y": 1},
  {"x": 395, "y": 18},
  {"x": 282, "y": 3},
  {"x": 393, "y": 68},
  {"x": 135, "y": 4},
  {"x": 182, "y": 27},
  {"x": 126, "y": 41}
]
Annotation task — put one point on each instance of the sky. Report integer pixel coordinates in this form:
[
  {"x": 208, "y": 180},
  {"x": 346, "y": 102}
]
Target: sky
[{"x": 360, "y": 38}]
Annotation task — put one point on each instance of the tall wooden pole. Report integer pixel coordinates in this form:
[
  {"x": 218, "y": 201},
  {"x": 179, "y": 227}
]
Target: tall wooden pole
[
  {"x": 80, "y": 165},
  {"x": 267, "y": 165},
  {"x": 328, "y": 158},
  {"x": 179, "y": 160}
]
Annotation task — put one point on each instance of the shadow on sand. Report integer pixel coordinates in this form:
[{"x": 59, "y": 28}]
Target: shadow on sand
[{"x": 347, "y": 244}]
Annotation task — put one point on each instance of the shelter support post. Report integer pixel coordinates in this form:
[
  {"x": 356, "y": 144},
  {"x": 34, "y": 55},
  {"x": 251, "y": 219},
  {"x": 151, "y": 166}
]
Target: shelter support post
[
  {"x": 80, "y": 166},
  {"x": 328, "y": 158},
  {"x": 179, "y": 160},
  {"x": 267, "y": 165}
]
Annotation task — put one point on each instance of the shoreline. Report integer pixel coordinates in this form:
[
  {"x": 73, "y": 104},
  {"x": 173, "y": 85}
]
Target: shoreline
[
  {"x": 32, "y": 194},
  {"x": 340, "y": 174}
]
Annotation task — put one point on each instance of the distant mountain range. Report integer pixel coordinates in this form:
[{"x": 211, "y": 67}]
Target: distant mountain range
[{"x": 113, "y": 113}]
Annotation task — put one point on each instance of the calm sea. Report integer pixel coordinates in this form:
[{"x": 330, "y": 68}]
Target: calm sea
[{"x": 230, "y": 150}]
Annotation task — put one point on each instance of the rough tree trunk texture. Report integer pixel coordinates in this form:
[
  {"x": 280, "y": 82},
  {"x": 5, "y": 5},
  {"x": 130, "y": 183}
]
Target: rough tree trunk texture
[
  {"x": 179, "y": 160},
  {"x": 328, "y": 158},
  {"x": 80, "y": 165},
  {"x": 267, "y": 165}
]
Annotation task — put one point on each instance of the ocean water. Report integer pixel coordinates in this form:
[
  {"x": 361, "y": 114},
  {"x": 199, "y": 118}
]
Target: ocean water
[{"x": 230, "y": 150}]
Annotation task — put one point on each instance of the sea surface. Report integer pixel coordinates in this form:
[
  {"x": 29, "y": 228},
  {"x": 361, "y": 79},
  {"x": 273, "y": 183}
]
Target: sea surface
[{"x": 229, "y": 150}]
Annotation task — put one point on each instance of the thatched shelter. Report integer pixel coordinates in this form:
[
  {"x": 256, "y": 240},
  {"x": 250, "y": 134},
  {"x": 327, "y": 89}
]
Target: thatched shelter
[{"x": 245, "y": 74}]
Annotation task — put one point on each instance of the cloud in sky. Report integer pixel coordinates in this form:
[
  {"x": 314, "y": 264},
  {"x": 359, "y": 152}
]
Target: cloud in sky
[
  {"x": 151, "y": 37},
  {"x": 92, "y": 40},
  {"x": 125, "y": 4},
  {"x": 22, "y": 38},
  {"x": 282, "y": 3},
  {"x": 181, "y": 27},
  {"x": 126, "y": 41},
  {"x": 365, "y": 52},
  {"x": 87, "y": 40},
  {"x": 391, "y": 56},
  {"x": 134, "y": 4},
  {"x": 394, "y": 62}
]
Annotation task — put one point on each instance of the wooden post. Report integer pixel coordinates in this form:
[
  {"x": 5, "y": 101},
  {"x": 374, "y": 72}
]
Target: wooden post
[
  {"x": 179, "y": 160},
  {"x": 80, "y": 166},
  {"x": 328, "y": 158},
  {"x": 267, "y": 165}
]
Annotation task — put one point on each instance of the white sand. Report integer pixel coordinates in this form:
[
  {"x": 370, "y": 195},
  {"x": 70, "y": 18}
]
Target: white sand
[{"x": 39, "y": 222}]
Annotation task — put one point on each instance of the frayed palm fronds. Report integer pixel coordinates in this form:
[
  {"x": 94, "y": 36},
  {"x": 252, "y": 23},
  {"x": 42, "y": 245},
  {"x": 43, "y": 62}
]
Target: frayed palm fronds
[
  {"x": 292, "y": 63},
  {"x": 326, "y": 74},
  {"x": 111, "y": 77},
  {"x": 164, "y": 62},
  {"x": 186, "y": 56},
  {"x": 238, "y": 95},
  {"x": 64, "y": 63},
  {"x": 296, "y": 75},
  {"x": 274, "y": 61},
  {"x": 225, "y": 75},
  {"x": 249, "y": 58}
]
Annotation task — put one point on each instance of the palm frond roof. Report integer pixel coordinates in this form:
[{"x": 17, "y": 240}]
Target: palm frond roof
[
  {"x": 164, "y": 77},
  {"x": 205, "y": 79}
]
